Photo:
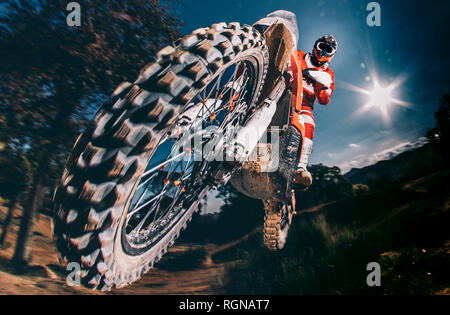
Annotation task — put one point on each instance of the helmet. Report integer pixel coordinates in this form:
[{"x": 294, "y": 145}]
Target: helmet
[{"x": 324, "y": 49}]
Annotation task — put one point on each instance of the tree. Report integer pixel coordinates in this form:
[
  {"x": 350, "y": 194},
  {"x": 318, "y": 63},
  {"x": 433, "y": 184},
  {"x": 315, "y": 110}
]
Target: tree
[
  {"x": 328, "y": 185},
  {"x": 439, "y": 136},
  {"x": 54, "y": 76},
  {"x": 13, "y": 180},
  {"x": 360, "y": 189}
]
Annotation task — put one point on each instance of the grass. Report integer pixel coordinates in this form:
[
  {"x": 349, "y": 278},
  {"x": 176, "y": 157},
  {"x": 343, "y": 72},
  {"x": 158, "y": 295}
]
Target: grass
[{"x": 327, "y": 252}]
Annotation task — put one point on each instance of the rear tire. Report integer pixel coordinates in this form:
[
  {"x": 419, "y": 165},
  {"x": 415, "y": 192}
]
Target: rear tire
[
  {"x": 276, "y": 224},
  {"x": 109, "y": 158}
]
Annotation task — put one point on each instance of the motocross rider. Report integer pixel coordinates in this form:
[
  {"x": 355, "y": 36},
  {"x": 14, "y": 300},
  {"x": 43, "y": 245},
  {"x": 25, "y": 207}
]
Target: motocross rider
[{"x": 318, "y": 83}]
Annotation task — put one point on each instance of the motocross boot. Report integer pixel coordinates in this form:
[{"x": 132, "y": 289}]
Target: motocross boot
[{"x": 302, "y": 177}]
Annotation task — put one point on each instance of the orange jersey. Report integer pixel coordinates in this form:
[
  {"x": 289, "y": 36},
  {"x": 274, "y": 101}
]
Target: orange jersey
[{"x": 311, "y": 91}]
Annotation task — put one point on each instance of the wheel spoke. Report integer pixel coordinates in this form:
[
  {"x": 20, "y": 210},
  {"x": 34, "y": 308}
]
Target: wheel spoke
[
  {"x": 138, "y": 228},
  {"x": 145, "y": 190},
  {"x": 146, "y": 181},
  {"x": 137, "y": 205},
  {"x": 177, "y": 174},
  {"x": 179, "y": 188},
  {"x": 163, "y": 164},
  {"x": 145, "y": 204}
]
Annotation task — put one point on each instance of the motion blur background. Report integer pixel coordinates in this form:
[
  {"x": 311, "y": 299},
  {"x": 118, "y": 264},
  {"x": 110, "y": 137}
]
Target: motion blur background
[{"x": 380, "y": 158}]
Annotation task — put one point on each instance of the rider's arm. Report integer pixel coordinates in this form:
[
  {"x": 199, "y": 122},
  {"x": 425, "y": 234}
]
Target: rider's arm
[{"x": 324, "y": 90}]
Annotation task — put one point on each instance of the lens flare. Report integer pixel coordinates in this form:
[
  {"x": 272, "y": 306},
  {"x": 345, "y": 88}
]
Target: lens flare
[{"x": 380, "y": 97}]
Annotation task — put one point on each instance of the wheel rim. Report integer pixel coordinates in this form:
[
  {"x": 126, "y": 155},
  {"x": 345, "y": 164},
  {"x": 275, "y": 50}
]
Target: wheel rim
[{"x": 171, "y": 182}]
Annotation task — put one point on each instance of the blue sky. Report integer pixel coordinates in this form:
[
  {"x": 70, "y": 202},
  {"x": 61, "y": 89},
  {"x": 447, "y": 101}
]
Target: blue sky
[{"x": 410, "y": 43}]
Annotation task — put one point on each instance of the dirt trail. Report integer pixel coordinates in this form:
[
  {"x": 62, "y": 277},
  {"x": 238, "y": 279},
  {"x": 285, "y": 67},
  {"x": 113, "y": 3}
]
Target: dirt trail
[{"x": 46, "y": 276}]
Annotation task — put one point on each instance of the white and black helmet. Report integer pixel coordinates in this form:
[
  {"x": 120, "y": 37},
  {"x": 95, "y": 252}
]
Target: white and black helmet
[{"x": 324, "y": 49}]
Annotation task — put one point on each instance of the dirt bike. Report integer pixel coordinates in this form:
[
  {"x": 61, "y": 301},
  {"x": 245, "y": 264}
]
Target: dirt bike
[{"x": 129, "y": 187}]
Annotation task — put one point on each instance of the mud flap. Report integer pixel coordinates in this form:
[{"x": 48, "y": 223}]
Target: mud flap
[{"x": 280, "y": 45}]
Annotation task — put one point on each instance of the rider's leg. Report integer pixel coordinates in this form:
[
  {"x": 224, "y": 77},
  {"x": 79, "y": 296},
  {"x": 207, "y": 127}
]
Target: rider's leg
[{"x": 302, "y": 175}]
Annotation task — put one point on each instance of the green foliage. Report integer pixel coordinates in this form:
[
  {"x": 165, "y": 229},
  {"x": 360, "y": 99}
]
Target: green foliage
[
  {"x": 317, "y": 260},
  {"x": 327, "y": 252},
  {"x": 416, "y": 270},
  {"x": 439, "y": 136},
  {"x": 54, "y": 76},
  {"x": 406, "y": 166},
  {"x": 15, "y": 174},
  {"x": 360, "y": 189},
  {"x": 328, "y": 185}
]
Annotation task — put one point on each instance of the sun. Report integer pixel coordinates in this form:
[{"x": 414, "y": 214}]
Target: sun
[{"x": 380, "y": 97}]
